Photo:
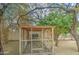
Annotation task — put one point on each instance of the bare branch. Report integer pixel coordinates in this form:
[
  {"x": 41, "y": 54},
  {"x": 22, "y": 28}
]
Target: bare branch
[{"x": 42, "y": 8}]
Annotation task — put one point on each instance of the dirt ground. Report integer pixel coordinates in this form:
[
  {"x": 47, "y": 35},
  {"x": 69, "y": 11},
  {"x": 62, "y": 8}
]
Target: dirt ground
[{"x": 66, "y": 48}]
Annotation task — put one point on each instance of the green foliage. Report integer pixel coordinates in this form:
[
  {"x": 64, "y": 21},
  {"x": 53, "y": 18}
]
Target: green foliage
[{"x": 61, "y": 21}]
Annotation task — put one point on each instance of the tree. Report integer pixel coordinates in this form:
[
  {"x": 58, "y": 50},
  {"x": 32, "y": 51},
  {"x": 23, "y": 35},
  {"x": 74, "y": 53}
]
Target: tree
[
  {"x": 13, "y": 13},
  {"x": 2, "y": 9},
  {"x": 73, "y": 30},
  {"x": 61, "y": 21}
]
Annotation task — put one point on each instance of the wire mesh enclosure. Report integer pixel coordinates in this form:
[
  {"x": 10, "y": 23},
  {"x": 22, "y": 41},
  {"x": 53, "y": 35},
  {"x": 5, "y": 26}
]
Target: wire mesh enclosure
[{"x": 36, "y": 40}]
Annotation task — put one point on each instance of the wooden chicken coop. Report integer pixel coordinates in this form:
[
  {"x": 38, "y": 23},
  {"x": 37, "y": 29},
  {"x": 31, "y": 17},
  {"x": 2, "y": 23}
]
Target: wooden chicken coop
[{"x": 36, "y": 40}]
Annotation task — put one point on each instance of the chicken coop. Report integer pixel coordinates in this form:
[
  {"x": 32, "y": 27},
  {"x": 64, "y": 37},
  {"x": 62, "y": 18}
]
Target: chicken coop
[{"x": 36, "y": 40}]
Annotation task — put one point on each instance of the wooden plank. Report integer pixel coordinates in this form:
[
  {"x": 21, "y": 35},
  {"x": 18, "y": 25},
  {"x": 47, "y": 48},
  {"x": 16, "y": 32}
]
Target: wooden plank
[
  {"x": 32, "y": 40},
  {"x": 37, "y": 48}
]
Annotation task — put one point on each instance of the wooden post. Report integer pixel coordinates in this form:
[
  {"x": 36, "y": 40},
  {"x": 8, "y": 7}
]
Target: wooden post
[
  {"x": 42, "y": 39},
  {"x": 52, "y": 42},
  {"x": 20, "y": 52},
  {"x": 31, "y": 40}
]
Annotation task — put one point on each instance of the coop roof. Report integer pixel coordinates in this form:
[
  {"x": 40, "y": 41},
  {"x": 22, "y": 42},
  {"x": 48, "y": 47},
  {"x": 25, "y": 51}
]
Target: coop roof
[{"x": 36, "y": 27}]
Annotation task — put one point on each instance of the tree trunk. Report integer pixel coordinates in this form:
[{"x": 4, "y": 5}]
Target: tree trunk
[
  {"x": 1, "y": 48},
  {"x": 2, "y": 27},
  {"x": 76, "y": 37},
  {"x": 73, "y": 30},
  {"x": 56, "y": 35},
  {"x": 56, "y": 40}
]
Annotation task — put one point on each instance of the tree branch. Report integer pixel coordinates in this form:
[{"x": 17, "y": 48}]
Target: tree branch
[{"x": 42, "y": 8}]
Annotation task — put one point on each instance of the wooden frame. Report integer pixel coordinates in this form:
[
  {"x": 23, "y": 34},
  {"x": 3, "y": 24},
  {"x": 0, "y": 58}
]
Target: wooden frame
[{"x": 35, "y": 28}]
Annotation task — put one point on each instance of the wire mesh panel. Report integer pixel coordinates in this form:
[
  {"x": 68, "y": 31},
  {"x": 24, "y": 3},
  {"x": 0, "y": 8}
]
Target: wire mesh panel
[
  {"x": 35, "y": 41},
  {"x": 26, "y": 47}
]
